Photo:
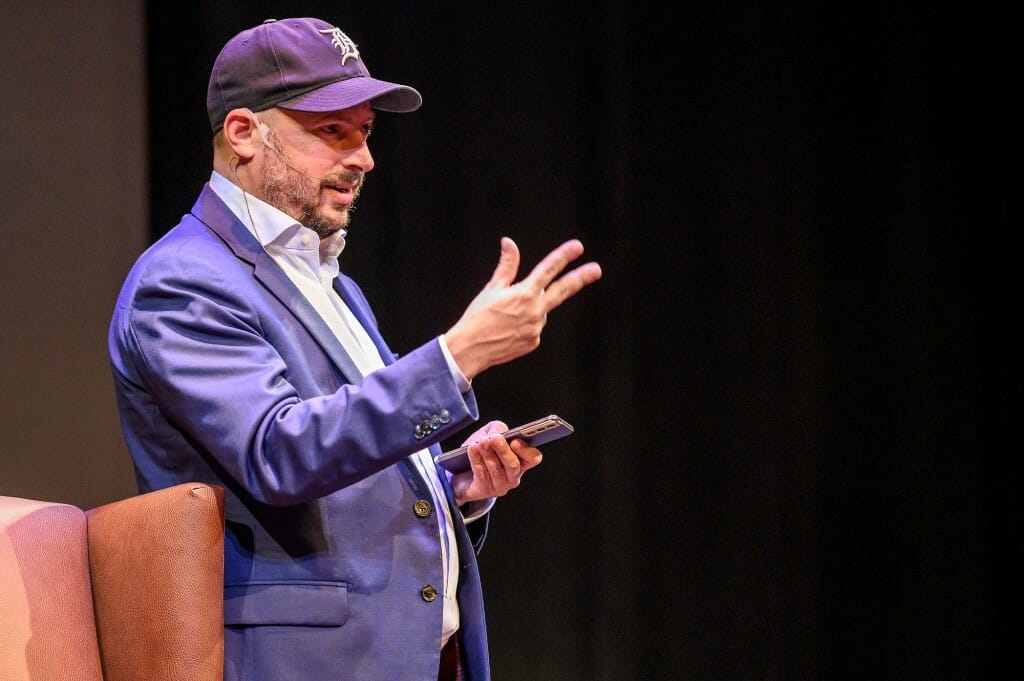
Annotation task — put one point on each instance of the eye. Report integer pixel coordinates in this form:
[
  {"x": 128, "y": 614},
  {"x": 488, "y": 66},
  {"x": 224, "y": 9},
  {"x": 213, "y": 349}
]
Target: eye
[{"x": 344, "y": 135}]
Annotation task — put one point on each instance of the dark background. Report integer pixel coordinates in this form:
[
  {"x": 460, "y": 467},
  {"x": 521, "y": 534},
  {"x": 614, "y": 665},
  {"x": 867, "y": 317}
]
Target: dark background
[{"x": 777, "y": 471}]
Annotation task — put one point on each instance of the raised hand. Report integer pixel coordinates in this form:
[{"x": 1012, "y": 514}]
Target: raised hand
[{"x": 505, "y": 320}]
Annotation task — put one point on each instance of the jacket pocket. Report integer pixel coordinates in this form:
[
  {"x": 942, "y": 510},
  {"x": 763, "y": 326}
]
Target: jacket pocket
[{"x": 314, "y": 604}]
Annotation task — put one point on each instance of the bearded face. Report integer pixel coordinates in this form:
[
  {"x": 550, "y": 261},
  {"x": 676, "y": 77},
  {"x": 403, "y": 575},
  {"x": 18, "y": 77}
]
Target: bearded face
[{"x": 323, "y": 204}]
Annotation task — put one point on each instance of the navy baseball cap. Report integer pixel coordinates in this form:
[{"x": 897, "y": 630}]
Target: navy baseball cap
[{"x": 300, "y": 64}]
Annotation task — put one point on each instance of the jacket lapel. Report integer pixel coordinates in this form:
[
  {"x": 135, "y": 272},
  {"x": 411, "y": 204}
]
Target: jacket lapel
[{"x": 361, "y": 312}]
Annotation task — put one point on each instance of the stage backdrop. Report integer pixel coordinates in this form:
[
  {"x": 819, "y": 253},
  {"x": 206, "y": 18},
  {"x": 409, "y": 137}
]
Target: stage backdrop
[
  {"x": 73, "y": 217},
  {"x": 776, "y": 472}
]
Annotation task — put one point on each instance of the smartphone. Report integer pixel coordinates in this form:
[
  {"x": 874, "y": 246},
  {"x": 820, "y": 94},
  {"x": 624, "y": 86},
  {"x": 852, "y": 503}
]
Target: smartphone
[{"x": 535, "y": 433}]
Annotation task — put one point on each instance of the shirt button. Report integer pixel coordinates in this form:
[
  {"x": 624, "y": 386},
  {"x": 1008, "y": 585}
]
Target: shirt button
[
  {"x": 428, "y": 593},
  {"x": 305, "y": 239},
  {"x": 421, "y": 508}
]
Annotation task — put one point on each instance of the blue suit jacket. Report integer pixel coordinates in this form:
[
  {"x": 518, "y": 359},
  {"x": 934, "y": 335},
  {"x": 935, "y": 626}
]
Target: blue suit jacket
[{"x": 226, "y": 374}]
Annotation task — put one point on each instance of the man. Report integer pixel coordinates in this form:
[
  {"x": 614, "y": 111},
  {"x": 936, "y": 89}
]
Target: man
[{"x": 243, "y": 358}]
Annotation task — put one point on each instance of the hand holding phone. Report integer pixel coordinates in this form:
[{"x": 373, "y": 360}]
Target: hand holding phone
[{"x": 535, "y": 433}]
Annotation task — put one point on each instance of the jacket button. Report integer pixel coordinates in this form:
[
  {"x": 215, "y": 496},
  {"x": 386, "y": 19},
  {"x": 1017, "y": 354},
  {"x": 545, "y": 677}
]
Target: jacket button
[
  {"x": 421, "y": 508},
  {"x": 428, "y": 593}
]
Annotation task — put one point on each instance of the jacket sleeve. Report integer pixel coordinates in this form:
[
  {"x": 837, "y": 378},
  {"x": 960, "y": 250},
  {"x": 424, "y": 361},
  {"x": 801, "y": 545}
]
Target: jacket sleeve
[{"x": 208, "y": 360}]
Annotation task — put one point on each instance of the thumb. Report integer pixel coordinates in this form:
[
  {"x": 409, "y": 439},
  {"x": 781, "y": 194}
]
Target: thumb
[{"x": 508, "y": 264}]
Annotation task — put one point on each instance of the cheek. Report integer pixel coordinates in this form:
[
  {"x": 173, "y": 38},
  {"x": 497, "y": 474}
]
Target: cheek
[{"x": 319, "y": 160}]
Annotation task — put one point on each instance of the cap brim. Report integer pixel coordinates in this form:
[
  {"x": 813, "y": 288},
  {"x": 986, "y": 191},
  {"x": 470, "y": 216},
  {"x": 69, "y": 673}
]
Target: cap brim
[{"x": 343, "y": 94}]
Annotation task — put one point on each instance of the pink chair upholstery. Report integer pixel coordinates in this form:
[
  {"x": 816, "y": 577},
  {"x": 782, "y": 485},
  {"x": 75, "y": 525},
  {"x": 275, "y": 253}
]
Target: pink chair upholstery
[{"x": 128, "y": 591}]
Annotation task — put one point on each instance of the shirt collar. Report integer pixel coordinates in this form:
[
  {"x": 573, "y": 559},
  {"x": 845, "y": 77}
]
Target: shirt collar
[{"x": 269, "y": 224}]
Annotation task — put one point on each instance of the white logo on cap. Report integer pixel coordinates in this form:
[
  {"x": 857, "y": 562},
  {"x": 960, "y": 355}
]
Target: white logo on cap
[{"x": 343, "y": 43}]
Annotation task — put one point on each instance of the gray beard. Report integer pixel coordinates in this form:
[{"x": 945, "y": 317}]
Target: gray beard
[{"x": 297, "y": 194}]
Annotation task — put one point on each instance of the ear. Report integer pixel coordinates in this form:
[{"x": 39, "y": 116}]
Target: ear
[{"x": 241, "y": 133}]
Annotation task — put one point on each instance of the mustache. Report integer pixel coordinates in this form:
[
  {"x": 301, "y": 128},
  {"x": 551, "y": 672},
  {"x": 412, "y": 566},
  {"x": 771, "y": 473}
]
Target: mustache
[{"x": 353, "y": 177}]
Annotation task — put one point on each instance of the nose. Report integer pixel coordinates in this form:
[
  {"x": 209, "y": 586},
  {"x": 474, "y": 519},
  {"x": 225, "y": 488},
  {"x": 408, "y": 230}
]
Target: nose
[{"x": 359, "y": 158}]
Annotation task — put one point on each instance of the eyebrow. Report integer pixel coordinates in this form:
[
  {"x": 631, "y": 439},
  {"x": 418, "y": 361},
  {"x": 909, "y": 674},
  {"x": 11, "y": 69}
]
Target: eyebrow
[{"x": 338, "y": 116}]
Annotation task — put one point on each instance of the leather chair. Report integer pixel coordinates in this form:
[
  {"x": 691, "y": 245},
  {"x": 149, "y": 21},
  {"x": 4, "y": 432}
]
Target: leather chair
[{"x": 128, "y": 591}]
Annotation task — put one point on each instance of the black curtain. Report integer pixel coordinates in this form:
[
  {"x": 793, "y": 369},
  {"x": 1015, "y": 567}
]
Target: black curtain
[{"x": 776, "y": 472}]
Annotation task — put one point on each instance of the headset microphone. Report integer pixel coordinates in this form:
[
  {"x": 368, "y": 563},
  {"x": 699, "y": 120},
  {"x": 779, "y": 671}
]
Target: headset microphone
[
  {"x": 269, "y": 143},
  {"x": 265, "y": 135}
]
